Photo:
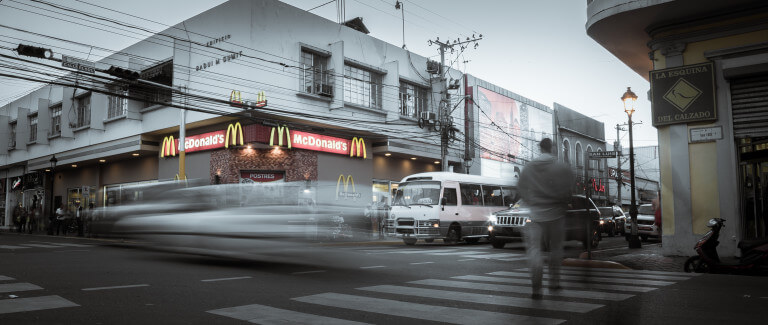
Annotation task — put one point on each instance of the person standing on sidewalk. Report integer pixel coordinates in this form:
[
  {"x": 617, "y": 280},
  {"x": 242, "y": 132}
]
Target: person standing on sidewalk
[
  {"x": 19, "y": 217},
  {"x": 545, "y": 188}
]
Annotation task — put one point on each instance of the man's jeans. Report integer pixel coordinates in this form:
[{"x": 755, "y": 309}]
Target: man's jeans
[{"x": 536, "y": 234}]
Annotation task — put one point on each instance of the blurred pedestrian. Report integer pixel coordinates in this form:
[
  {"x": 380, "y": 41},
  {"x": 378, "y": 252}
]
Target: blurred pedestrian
[
  {"x": 31, "y": 221},
  {"x": 19, "y": 217},
  {"x": 79, "y": 216},
  {"x": 545, "y": 187},
  {"x": 61, "y": 216}
]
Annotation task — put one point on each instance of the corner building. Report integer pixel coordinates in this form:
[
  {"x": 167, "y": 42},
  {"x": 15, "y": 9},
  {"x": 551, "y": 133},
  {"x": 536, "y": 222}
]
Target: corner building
[
  {"x": 284, "y": 78},
  {"x": 707, "y": 63}
]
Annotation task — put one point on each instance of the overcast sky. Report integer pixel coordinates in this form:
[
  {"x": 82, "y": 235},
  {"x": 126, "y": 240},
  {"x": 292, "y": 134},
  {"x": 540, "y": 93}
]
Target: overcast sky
[{"x": 538, "y": 49}]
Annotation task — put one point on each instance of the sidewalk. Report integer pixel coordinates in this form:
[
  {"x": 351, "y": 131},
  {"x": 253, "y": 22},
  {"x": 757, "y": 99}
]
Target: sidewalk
[{"x": 648, "y": 257}]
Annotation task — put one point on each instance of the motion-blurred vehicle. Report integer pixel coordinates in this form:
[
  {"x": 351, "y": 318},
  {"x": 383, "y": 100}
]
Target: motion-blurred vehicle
[
  {"x": 646, "y": 223},
  {"x": 612, "y": 220},
  {"x": 506, "y": 226},
  {"x": 448, "y": 206}
]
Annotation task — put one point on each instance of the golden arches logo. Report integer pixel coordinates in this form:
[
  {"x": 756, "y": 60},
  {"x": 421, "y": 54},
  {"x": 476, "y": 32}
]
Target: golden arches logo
[
  {"x": 236, "y": 98},
  {"x": 261, "y": 99},
  {"x": 280, "y": 129},
  {"x": 168, "y": 148},
  {"x": 346, "y": 182},
  {"x": 234, "y": 130},
  {"x": 358, "y": 145}
]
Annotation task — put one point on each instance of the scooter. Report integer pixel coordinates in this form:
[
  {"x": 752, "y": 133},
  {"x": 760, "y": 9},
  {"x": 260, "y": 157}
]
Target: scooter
[{"x": 754, "y": 254}]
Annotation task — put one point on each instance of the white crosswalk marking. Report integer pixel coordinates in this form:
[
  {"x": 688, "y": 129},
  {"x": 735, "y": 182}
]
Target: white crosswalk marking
[
  {"x": 419, "y": 311},
  {"x": 456, "y": 253},
  {"x": 11, "y": 247},
  {"x": 6, "y": 278},
  {"x": 564, "y": 284},
  {"x": 503, "y": 255},
  {"x": 15, "y": 287},
  {"x": 66, "y": 244},
  {"x": 593, "y": 279},
  {"x": 636, "y": 275},
  {"x": 34, "y": 303},
  {"x": 41, "y": 245},
  {"x": 634, "y": 271},
  {"x": 267, "y": 315},
  {"x": 576, "y": 307},
  {"x": 524, "y": 289}
]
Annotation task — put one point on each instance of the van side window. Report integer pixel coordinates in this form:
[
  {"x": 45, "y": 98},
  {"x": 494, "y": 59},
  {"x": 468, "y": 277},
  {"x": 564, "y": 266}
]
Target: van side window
[
  {"x": 492, "y": 196},
  {"x": 450, "y": 195},
  {"x": 471, "y": 194}
]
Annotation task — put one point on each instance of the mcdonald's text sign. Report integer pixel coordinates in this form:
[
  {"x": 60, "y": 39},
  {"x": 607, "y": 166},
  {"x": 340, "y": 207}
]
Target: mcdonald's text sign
[{"x": 310, "y": 141}]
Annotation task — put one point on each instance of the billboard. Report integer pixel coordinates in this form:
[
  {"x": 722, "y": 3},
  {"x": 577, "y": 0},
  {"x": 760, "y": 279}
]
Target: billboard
[{"x": 509, "y": 130}]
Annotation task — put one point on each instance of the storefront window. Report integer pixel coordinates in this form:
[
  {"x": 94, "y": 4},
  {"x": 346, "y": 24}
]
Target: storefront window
[{"x": 117, "y": 194}]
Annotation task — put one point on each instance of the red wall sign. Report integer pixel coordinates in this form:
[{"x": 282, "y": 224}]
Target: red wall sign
[
  {"x": 205, "y": 141},
  {"x": 262, "y": 177},
  {"x": 310, "y": 141}
]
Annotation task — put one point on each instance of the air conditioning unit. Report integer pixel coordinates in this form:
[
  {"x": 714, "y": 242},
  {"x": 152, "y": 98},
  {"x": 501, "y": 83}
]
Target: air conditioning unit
[
  {"x": 433, "y": 66},
  {"x": 428, "y": 116},
  {"x": 324, "y": 90}
]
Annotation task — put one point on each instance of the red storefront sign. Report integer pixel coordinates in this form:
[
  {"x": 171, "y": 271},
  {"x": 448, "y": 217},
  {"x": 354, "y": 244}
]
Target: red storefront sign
[
  {"x": 310, "y": 141},
  {"x": 262, "y": 177},
  {"x": 205, "y": 141}
]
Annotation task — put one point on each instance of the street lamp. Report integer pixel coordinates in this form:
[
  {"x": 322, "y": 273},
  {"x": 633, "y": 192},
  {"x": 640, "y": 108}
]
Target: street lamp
[
  {"x": 53, "y": 162},
  {"x": 629, "y": 98}
]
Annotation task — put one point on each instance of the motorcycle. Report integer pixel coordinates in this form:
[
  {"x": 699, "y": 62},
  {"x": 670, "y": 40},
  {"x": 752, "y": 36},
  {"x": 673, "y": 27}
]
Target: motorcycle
[{"x": 754, "y": 254}]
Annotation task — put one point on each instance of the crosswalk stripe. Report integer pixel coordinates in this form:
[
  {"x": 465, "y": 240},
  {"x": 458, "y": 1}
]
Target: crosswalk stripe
[
  {"x": 35, "y": 303},
  {"x": 524, "y": 289},
  {"x": 6, "y": 278},
  {"x": 12, "y": 247},
  {"x": 577, "y": 307},
  {"x": 261, "y": 314},
  {"x": 592, "y": 279},
  {"x": 564, "y": 284},
  {"x": 502, "y": 255},
  {"x": 599, "y": 273},
  {"x": 66, "y": 244},
  {"x": 41, "y": 245},
  {"x": 456, "y": 253},
  {"x": 636, "y": 271},
  {"x": 420, "y": 311},
  {"x": 15, "y": 287},
  {"x": 513, "y": 259},
  {"x": 116, "y": 287}
]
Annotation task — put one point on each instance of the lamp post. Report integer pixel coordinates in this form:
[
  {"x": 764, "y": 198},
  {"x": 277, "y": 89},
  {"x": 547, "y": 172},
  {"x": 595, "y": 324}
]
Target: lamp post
[
  {"x": 629, "y": 98},
  {"x": 53, "y": 178}
]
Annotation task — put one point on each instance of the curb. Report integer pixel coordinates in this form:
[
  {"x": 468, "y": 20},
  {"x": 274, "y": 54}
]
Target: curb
[{"x": 578, "y": 262}]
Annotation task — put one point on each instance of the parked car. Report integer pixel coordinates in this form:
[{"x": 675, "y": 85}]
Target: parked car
[
  {"x": 646, "y": 223},
  {"x": 506, "y": 225},
  {"x": 612, "y": 220}
]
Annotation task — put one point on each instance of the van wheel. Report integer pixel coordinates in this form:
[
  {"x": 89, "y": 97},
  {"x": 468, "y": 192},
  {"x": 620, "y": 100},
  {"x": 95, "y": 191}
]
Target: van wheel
[
  {"x": 453, "y": 236},
  {"x": 409, "y": 241}
]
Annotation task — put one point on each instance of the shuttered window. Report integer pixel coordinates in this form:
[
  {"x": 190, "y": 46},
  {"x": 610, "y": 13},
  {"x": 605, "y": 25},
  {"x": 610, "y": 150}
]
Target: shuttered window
[{"x": 749, "y": 101}]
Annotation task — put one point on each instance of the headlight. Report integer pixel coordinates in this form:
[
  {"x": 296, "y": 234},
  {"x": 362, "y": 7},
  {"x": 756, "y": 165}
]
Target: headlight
[
  {"x": 490, "y": 228},
  {"x": 602, "y": 222}
]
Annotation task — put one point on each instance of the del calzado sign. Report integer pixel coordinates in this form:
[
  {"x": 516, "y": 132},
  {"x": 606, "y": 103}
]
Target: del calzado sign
[{"x": 683, "y": 94}]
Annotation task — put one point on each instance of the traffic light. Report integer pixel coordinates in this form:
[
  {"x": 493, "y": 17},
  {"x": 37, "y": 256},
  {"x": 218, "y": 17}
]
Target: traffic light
[
  {"x": 34, "y": 51},
  {"x": 123, "y": 73}
]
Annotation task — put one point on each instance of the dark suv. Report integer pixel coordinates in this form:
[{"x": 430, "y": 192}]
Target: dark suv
[
  {"x": 612, "y": 220},
  {"x": 506, "y": 225}
]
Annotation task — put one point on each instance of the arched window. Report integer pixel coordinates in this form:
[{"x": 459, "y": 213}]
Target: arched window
[
  {"x": 600, "y": 162},
  {"x": 591, "y": 162},
  {"x": 566, "y": 152},
  {"x": 579, "y": 156}
]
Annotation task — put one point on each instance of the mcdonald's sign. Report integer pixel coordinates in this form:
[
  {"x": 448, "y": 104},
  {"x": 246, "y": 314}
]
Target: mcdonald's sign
[
  {"x": 344, "y": 192},
  {"x": 168, "y": 148},
  {"x": 280, "y": 129},
  {"x": 358, "y": 145},
  {"x": 234, "y": 130},
  {"x": 235, "y": 99}
]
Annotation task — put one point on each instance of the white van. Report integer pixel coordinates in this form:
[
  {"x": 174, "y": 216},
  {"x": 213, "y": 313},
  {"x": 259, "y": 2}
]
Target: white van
[{"x": 447, "y": 206}]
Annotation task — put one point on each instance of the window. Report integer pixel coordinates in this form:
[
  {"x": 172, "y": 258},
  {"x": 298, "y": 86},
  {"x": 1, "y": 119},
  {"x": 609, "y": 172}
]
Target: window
[
  {"x": 450, "y": 196},
  {"x": 362, "y": 87},
  {"x": 579, "y": 156},
  {"x": 492, "y": 196},
  {"x": 12, "y": 137},
  {"x": 471, "y": 194},
  {"x": 413, "y": 100},
  {"x": 33, "y": 128},
  {"x": 566, "y": 152},
  {"x": 600, "y": 162},
  {"x": 56, "y": 120},
  {"x": 83, "y": 111},
  {"x": 316, "y": 79},
  {"x": 118, "y": 103}
]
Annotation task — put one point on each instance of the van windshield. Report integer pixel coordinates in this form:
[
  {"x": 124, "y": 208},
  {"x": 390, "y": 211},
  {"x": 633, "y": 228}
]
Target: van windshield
[{"x": 417, "y": 193}]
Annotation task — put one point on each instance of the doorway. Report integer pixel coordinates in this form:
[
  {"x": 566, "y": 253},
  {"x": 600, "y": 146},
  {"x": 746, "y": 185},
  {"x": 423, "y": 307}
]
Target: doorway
[{"x": 753, "y": 170}]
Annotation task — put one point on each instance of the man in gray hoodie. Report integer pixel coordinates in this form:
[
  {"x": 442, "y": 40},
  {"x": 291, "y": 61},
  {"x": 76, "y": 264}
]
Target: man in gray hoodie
[{"x": 545, "y": 188}]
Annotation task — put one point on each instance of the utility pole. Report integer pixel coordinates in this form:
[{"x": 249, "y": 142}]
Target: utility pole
[
  {"x": 619, "y": 175},
  {"x": 444, "y": 115}
]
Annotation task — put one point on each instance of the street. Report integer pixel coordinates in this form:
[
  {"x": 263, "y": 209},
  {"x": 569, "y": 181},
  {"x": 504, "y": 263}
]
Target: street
[{"x": 52, "y": 280}]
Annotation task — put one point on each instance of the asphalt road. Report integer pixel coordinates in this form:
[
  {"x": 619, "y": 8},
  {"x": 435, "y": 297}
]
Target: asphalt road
[{"x": 58, "y": 280}]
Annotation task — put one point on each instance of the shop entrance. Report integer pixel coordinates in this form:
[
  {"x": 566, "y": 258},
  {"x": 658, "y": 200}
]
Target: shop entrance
[{"x": 753, "y": 169}]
